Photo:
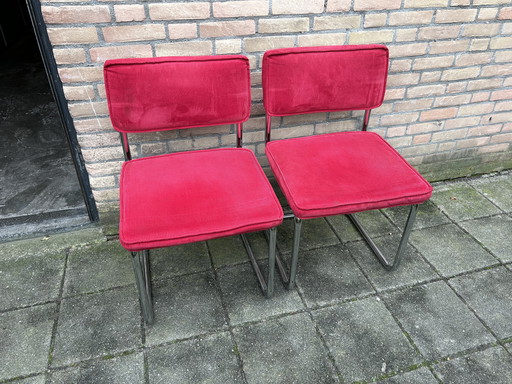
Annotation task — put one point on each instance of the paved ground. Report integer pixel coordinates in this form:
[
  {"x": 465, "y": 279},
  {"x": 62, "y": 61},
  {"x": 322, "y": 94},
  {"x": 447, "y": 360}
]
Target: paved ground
[{"x": 69, "y": 311}]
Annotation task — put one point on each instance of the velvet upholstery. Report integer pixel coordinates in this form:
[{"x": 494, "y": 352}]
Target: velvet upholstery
[
  {"x": 188, "y": 196},
  {"x": 322, "y": 79},
  {"x": 344, "y": 172},
  {"x": 192, "y": 196},
  {"x": 177, "y": 92}
]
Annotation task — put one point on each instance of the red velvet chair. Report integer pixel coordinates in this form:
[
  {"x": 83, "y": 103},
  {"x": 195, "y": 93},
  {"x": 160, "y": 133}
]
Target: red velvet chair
[
  {"x": 190, "y": 196},
  {"x": 344, "y": 172}
]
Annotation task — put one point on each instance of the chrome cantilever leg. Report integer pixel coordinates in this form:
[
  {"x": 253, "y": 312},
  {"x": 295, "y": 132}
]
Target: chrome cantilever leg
[
  {"x": 403, "y": 241},
  {"x": 295, "y": 251},
  {"x": 140, "y": 261},
  {"x": 267, "y": 287}
]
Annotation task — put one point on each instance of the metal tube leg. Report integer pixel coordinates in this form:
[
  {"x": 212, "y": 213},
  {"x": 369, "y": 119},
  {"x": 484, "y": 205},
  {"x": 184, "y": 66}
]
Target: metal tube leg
[
  {"x": 271, "y": 261},
  {"x": 140, "y": 262},
  {"x": 403, "y": 242},
  {"x": 295, "y": 251}
]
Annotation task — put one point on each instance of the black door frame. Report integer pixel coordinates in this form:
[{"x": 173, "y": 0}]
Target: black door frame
[{"x": 50, "y": 66}]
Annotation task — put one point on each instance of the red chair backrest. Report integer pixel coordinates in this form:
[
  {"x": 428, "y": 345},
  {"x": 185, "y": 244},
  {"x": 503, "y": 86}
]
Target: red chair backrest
[
  {"x": 323, "y": 79},
  {"x": 164, "y": 93}
]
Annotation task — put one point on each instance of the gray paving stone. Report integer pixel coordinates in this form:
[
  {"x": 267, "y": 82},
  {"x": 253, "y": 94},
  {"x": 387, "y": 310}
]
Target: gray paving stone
[
  {"x": 128, "y": 369},
  {"x": 102, "y": 266},
  {"x": 497, "y": 189},
  {"x": 439, "y": 323},
  {"x": 244, "y": 299},
  {"x": 185, "y": 306},
  {"x": 97, "y": 325},
  {"x": 489, "y": 294},
  {"x": 25, "y": 337},
  {"x": 494, "y": 365},
  {"x": 460, "y": 201},
  {"x": 30, "y": 280},
  {"x": 179, "y": 260},
  {"x": 412, "y": 269},
  {"x": 422, "y": 375},
  {"x": 285, "y": 350},
  {"x": 39, "y": 379},
  {"x": 48, "y": 245},
  {"x": 328, "y": 275},
  {"x": 428, "y": 215},
  {"x": 209, "y": 360},
  {"x": 231, "y": 250},
  {"x": 373, "y": 221},
  {"x": 365, "y": 340},
  {"x": 315, "y": 233},
  {"x": 450, "y": 250},
  {"x": 494, "y": 233}
]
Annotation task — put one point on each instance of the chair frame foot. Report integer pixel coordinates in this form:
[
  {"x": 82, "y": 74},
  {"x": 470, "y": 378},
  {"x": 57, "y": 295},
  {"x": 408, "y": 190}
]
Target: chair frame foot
[
  {"x": 267, "y": 287},
  {"x": 388, "y": 265},
  {"x": 140, "y": 260}
]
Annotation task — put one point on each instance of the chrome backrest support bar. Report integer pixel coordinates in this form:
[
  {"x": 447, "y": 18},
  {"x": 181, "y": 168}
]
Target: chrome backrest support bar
[{"x": 126, "y": 146}]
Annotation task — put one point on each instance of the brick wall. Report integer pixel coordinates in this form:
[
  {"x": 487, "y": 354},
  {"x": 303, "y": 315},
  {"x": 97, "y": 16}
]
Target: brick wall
[{"x": 448, "y": 106}]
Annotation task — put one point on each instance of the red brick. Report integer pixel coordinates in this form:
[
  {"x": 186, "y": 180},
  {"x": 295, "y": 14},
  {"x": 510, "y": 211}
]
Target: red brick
[
  {"x": 403, "y": 79},
  {"x": 475, "y": 109},
  {"x": 505, "y": 13},
  {"x": 69, "y": 55},
  {"x": 504, "y": 94},
  {"x": 81, "y": 74},
  {"x": 480, "y": 96},
  {"x": 430, "y": 77},
  {"x": 183, "y": 31},
  {"x": 62, "y": 36},
  {"x": 411, "y": 18},
  {"x": 134, "y": 33},
  {"x": 439, "y": 32},
  {"x": 129, "y": 12},
  {"x": 238, "y": 9},
  {"x": 473, "y": 59},
  {"x": 438, "y": 114},
  {"x": 496, "y": 70},
  {"x": 289, "y": 7},
  {"x": 425, "y": 3},
  {"x": 476, "y": 85},
  {"x": 227, "y": 28},
  {"x": 376, "y": 5},
  {"x": 179, "y": 11},
  {"x": 100, "y": 54},
  {"x": 68, "y": 14},
  {"x": 455, "y": 15},
  {"x": 339, "y": 5}
]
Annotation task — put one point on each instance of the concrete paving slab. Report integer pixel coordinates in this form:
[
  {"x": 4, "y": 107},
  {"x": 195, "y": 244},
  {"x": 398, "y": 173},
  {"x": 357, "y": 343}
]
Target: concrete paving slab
[
  {"x": 438, "y": 322},
  {"x": 178, "y": 260},
  {"x": 315, "y": 233},
  {"x": 497, "y": 189},
  {"x": 25, "y": 337},
  {"x": 39, "y": 379},
  {"x": 285, "y": 350},
  {"x": 231, "y": 250},
  {"x": 30, "y": 280},
  {"x": 489, "y": 294},
  {"x": 450, "y": 250},
  {"x": 185, "y": 306},
  {"x": 421, "y": 375},
  {"x": 493, "y": 365},
  {"x": 97, "y": 325},
  {"x": 494, "y": 233},
  {"x": 244, "y": 300},
  {"x": 428, "y": 215},
  {"x": 128, "y": 369},
  {"x": 51, "y": 244},
  {"x": 207, "y": 360},
  {"x": 412, "y": 269},
  {"x": 374, "y": 222},
  {"x": 460, "y": 201},
  {"x": 102, "y": 266},
  {"x": 329, "y": 275},
  {"x": 365, "y": 340}
]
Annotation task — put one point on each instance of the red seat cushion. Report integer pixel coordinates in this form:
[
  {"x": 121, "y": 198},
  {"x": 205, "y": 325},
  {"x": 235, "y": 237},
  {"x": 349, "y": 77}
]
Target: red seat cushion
[
  {"x": 192, "y": 196},
  {"x": 342, "y": 173}
]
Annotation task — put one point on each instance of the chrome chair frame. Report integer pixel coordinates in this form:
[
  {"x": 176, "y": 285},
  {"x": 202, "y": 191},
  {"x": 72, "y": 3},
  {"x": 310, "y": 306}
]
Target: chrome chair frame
[
  {"x": 297, "y": 228},
  {"x": 141, "y": 262}
]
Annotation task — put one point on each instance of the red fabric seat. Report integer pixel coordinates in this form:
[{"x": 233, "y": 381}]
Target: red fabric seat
[
  {"x": 189, "y": 196},
  {"x": 342, "y": 173},
  {"x": 192, "y": 196}
]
